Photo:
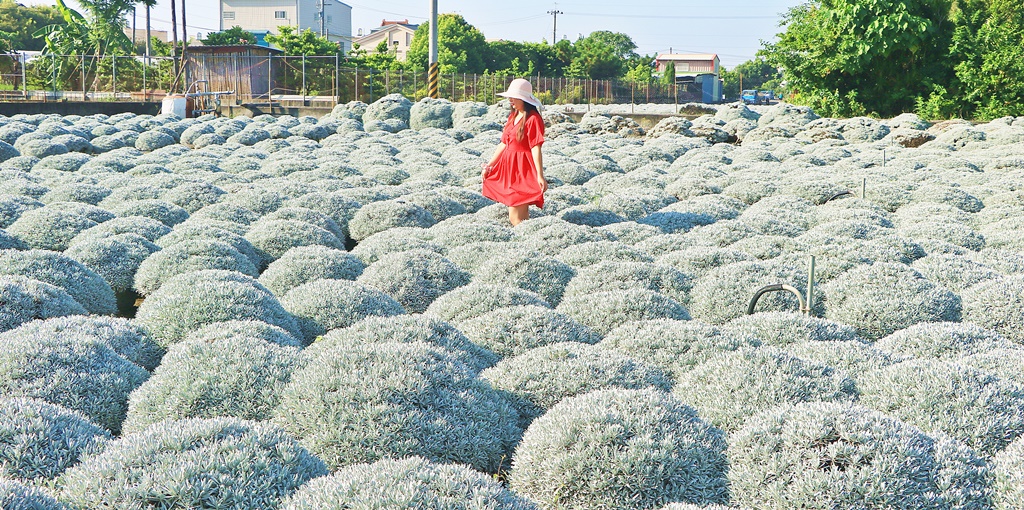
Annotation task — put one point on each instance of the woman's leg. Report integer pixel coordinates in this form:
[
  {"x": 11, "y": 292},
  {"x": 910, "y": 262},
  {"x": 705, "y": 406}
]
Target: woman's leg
[{"x": 518, "y": 214}]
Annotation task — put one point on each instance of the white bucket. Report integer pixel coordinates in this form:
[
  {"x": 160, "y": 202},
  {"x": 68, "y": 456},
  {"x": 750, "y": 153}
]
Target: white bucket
[{"x": 174, "y": 104}]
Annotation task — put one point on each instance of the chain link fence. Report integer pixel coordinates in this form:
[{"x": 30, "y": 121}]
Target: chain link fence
[{"x": 272, "y": 78}]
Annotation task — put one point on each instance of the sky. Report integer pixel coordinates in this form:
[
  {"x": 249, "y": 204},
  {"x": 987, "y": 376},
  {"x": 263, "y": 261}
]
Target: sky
[{"x": 733, "y": 30}]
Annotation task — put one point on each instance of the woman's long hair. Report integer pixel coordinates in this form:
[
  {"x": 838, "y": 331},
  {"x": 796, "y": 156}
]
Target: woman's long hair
[{"x": 528, "y": 109}]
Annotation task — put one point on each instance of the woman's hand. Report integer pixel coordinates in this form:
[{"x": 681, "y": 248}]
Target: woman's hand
[
  {"x": 487, "y": 167},
  {"x": 543, "y": 183}
]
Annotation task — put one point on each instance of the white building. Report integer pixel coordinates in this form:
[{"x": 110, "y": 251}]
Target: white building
[
  {"x": 397, "y": 35},
  {"x": 256, "y": 15}
]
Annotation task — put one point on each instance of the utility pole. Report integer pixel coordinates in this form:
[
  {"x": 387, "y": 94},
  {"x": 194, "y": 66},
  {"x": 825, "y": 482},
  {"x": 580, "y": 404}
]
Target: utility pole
[
  {"x": 554, "y": 25},
  {"x": 323, "y": 17},
  {"x": 432, "y": 72}
]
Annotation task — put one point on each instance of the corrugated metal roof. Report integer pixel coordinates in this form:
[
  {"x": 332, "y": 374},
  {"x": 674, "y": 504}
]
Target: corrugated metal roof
[{"x": 687, "y": 56}]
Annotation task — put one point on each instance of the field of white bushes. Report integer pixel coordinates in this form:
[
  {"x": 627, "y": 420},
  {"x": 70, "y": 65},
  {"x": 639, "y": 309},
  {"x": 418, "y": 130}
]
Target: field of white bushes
[{"x": 306, "y": 313}]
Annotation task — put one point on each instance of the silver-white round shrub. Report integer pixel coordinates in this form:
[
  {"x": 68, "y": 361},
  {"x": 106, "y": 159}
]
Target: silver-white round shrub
[
  {"x": 218, "y": 462},
  {"x": 148, "y": 228},
  {"x": 416, "y": 399},
  {"x": 41, "y": 440},
  {"x": 946, "y": 341},
  {"x": 212, "y": 230},
  {"x": 660, "y": 452},
  {"x": 476, "y": 299},
  {"x": 781, "y": 329},
  {"x": 975, "y": 407},
  {"x": 513, "y": 330},
  {"x": 26, "y": 299},
  {"x": 412, "y": 482},
  {"x": 431, "y": 113},
  {"x": 723, "y": 293},
  {"x": 322, "y": 305},
  {"x": 587, "y": 254},
  {"x": 604, "y": 311},
  {"x": 17, "y": 496},
  {"x": 152, "y": 140},
  {"x": 730, "y": 387},
  {"x": 187, "y": 302},
  {"x": 954, "y": 272},
  {"x": 46, "y": 228},
  {"x": 124, "y": 336},
  {"x": 530, "y": 271},
  {"x": 409, "y": 329},
  {"x": 83, "y": 284},
  {"x": 237, "y": 376},
  {"x": 158, "y": 209},
  {"x": 380, "y": 216},
  {"x": 675, "y": 346},
  {"x": 541, "y": 377},
  {"x": 304, "y": 264},
  {"x": 249, "y": 328},
  {"x": 116, "y": 258},
  {"x": 272, "y": 238},
  {"x": 607, "y": 276},
  {"x": 698, "y": 261},
  {"x": 881, "y": 298},
  {"x": 997, "y": 305},
  {"x": 840, "y": 455},
  {"x": 414, "y": 278},
  {"x": 12, "y": 206},
  {"x": 1008, "y": 468},
  {"x": 85, "y": 376},
  {"x": 389, "y": 107},
  {"x": 187, "y": 257},
  {"x": 853, "y": 357}
]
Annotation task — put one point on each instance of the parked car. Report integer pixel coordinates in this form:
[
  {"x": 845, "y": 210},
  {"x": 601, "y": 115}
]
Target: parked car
[{"x": 749, "y": 96}]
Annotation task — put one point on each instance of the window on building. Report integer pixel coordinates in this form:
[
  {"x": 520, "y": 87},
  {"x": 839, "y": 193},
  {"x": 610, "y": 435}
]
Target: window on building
[
  {"x": 408, "y": 39},
  {"x": 279, "y": 15},
  {"x": 229, "y": 14}
]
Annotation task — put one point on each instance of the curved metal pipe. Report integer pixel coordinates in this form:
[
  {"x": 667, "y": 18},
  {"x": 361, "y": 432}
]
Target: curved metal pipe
[{"x": 775, "y": 288}]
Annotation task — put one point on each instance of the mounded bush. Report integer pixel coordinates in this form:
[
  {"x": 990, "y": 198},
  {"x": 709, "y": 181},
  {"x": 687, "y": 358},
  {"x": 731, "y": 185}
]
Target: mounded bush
[
  {"x": 215, "y": 231},
  {"x": 12, "y": 206},
  {"x": 413, "y": 482},
  {"x": 26, "y": 299},
  {"x": 187, "y": 302},
  {"x": 414, "y": 278},
  {"x": 476, "y": 299},
  {"x": 588, "y": 254},
  {"x": 853, "y": 357},
  {"x": 237, "y": 376},
  {"x": 188, "y": 257},
  {"x": 607, "y": 447},
  {"x": 541, "y": 377},
  {"x": 724, "y": 293},
  {"x": 158, "y": 209},
  {"x": 838, "y": 455},
  {"x": 272, "y": 238},
  {"x": 212, "y": 463},
  {"x": 115, "y": 258},
  {"x": 983, "y": 411},
  {"x": 607, "y": 276},
  {"x": 530, "y": 271},
  {"x": 149, "y": 141},
  {"x": 881, "y": 298},
  {"x": 83, "y": 284},
  {"x": 699, "y": 261},
  {"x": 304, "y": 264},
  {"x": 124, "y": 336},
  {"x": 389, "y": 107},
  {"x": 997, "y": 305},
  {"x": 781, "y": 329},
  {"x": 604, "y": 311},
  {"x": 84, "y": 376},
  {"x": 148, "y": 228},
  {"x": 513, "y": 330},
  {"x": 41, "y": 440},
  {"x": 15, "y": 496},
  {"x": 415, "y": 400},
  {"x": 245, "y": 328},
  {"x": 408, "y": 329},
  {"x": 730, "y": 387},
  {"x": 387, "y": 214},
  {"x": 47, "y": 228},
  {"x": 955, "y": 272},
  {"x": 675, "y": 346},
  {"x": 1008, "y": 468},
  {"x": 946, "y": 341},
  {"x": 322, "y": 305}
]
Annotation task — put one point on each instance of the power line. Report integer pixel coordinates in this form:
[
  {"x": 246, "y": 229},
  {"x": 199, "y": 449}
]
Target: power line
[{"x": 660, "y": 16}]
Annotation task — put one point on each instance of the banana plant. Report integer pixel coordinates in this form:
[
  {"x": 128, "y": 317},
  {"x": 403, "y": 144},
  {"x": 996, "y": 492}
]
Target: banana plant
[{"x": 68, "y": 43}]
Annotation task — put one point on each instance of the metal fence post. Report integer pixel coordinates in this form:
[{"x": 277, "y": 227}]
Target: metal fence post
[
  {"x": 113, "y": 75},
  {"x": 24, "y": 81},
  {"x": 270, "y": 79},
  {"x": 337, "y": 80},
  {"x": 83, "y": 79},
  {"x": 303, "y": 78}
]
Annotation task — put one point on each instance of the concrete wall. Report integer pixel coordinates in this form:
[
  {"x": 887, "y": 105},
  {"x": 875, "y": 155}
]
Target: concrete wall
[{"x": 78, "y": 107}]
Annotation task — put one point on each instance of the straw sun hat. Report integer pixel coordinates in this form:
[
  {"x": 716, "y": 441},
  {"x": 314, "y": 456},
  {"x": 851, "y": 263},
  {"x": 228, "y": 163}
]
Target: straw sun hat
[{"x": 521, "y": 89}]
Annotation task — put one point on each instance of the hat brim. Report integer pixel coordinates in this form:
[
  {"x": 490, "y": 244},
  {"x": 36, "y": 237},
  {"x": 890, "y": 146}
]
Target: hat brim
[{"x": 529, "y": 99}]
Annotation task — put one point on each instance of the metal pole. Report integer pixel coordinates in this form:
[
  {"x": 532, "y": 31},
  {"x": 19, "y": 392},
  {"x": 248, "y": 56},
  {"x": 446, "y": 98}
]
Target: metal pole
[
  {"x": 554, "y": 25},
  {"x": 303, "y": 78},
  {"x": 864, "y": 188},
  {"x": 113, "y": 74},
  {"x": 24, "y": 84},
  {"x": 270, "y": 79},
  {"x": 810, "y": 285},
  {"x": 432, "y": 79},
  {"x": 337, "y": 82},
  {"x": 83, "y": 78}
]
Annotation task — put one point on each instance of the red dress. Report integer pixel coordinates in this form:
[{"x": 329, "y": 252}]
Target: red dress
[{"x": 513, "y": 179}]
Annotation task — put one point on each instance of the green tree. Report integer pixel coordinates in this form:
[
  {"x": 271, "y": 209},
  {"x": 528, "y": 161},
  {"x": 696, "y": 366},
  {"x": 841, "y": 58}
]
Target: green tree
[
  {"x": 845, "y": 57},
  {"x": 20, "y": 22},
  {"x": 232, "y": 36},
  {"x": 640, "y": 73},
  {"x": 669, "y": 76},
  {"x": 461, "y": 48},
  {"x": 602, "y": 55},
  {"x": 989, "y": 55},
  {"x": 305, "y": 43}
]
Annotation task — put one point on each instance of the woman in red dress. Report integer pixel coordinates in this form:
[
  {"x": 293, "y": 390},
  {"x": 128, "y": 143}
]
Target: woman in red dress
[{"x": 515, "y": 174}]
